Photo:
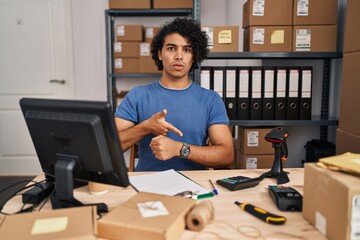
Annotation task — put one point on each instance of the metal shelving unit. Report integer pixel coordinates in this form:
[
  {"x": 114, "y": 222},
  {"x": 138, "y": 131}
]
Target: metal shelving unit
[{"x": 110, "y": 16}]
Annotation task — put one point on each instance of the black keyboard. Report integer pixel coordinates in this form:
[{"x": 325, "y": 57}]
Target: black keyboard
[{"x": 239, "y": 182}]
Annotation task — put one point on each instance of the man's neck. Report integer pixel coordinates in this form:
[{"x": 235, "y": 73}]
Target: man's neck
[{"x": 179, "y": 83}]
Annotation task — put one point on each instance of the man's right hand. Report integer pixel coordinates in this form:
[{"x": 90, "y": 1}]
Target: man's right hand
[{"x": 159, "y": 126}]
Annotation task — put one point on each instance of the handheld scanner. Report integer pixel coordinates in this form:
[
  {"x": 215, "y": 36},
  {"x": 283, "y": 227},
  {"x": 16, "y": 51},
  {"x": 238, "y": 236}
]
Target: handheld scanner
[{"x": 278, "y": 135}]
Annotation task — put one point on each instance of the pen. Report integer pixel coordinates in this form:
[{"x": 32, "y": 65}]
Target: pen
[
  {"x": 213, "y": 187},
  {"x": 261, "y": 213}
]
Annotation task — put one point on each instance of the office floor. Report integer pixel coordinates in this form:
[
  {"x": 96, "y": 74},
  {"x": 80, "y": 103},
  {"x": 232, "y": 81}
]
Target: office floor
[{"x": 6, "y": 181}]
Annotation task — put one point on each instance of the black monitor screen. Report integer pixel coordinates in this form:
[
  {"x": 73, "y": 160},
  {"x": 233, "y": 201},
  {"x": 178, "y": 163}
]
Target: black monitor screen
[{"x": 80, "y": 135}]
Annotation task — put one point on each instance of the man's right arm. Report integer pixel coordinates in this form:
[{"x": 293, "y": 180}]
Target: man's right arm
[{"x": 130, "y": 133}]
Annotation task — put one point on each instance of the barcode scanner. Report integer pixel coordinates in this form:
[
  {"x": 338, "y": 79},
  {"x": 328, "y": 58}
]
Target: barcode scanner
[{"x": 277, "y": 136}]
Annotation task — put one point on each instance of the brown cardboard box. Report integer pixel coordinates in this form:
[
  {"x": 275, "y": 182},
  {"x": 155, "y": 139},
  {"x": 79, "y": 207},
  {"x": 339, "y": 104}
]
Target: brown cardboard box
[
  {"x": 69, "y": 223},
  {"x": 150, "y": 33},
  {"x": 126, "y": 221},
  {"x": 129, "y": 4},
  {"x": 129, "y": 33},
  {"x": 126, "y": 65},
  {"x": 316, "y": 12},
  {"x": 349, "y": 113},
  {"x": 331, "y": 202},
  {"x": 255, "y": 161},
  {"x": 274, "y": 12},
  {"x": 146, "y": 63},
  {"x": 172, "y": 4},
  {"x": 268, "y": 39},
  {"x": 347, "y": 142},
  {"x": 222, "y": 38},
  {"x": 252, "y": 141},
  {"x": 126, "y": 49},
  {"x": 315, "y": 38},
  {"x": 352, "y": 29}
]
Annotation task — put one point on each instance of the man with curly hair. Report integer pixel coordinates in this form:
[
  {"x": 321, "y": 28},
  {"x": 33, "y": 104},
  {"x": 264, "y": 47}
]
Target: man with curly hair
[{"x": 173, "y": 118}]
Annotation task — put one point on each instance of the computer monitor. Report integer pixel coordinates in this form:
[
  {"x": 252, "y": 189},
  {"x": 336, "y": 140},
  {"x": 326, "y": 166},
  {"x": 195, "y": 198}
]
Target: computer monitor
[{"x": 75, "y": 140}]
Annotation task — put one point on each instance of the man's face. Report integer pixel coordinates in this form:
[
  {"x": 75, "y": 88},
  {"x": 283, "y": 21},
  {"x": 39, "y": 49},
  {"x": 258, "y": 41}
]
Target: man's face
[{"x": 176, "y": 56}]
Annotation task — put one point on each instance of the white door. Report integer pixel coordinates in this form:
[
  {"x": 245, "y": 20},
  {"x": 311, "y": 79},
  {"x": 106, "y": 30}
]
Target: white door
[{"x": 35, "y": 61}]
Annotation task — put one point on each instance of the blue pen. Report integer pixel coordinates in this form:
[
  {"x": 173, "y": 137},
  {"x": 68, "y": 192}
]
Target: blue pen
[{"x": 213, "y": 187}]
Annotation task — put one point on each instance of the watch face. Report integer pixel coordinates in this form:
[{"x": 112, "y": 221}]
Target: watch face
[{"x": 185, "y": 151}]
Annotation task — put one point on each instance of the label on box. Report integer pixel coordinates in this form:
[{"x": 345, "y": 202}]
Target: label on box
[
  {"x": 118, "y": 63},
  {"x": 258, "y": 35},
  {"x": 120, "y": 30},
  {"x": 224, "y": 36},
  {"x": 253, "y": 139},
  {"x": 152, "y": 209},
  {"x": 320, "y": 223},
  {"x": 251, "y": 163},
  {"x": 258, "y": 7},
  {"x": 149, "y": 32},
  {"x": 144, "y": 49},
  {"x": 210, "y": 33},
  {"x": 118, "y": 47},
  {"x": 303, "y": 40},
  {"x": 355, "y": 218},
  {"x": 302, "y": 7}
]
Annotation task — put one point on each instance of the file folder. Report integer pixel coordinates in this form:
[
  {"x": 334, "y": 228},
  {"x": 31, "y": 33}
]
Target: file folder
[
  {"x": 305, "y": 93},
  {"x": 230, "y": 98},
  {"x": 268, "y": 108},
  {"x": 243, "y": 93},
  {"x": 292, "y": 94},
  {"x": 255, "y": 93},
  {"x": 280, "y": 93},
  {"x": 218, "y": 80},
  {"x": 205, "y": 77}
]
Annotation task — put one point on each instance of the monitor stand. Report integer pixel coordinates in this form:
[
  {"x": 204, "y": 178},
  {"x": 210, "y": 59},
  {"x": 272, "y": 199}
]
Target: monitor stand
[{"x": 63, "y": 197}]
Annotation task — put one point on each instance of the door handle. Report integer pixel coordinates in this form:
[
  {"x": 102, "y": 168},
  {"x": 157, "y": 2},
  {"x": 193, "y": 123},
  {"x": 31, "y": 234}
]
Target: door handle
[{"x": 62, "y": 81}]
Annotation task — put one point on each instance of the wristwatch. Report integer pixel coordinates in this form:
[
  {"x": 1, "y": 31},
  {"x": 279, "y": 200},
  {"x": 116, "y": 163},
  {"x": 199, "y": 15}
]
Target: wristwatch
[{"x": 184, "y": 151}]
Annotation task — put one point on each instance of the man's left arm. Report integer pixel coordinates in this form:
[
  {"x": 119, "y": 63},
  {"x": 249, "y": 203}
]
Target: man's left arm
[{"x": 219, "y": 154}]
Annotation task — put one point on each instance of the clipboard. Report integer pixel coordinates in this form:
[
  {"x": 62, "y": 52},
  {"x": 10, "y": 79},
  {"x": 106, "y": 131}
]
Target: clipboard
[{"x": 175, "y": 183}]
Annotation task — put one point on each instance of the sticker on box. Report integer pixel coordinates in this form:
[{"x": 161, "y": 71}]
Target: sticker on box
[
  {"x": 303, "y": 40},
  {"x": 258, "y": 7},
  {"x": 258, "y": 35},
  {"x": 302, "y": 7},
  {"x": 253, "y": 139}
]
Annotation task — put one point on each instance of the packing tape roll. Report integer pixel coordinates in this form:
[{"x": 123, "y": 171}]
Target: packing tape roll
[{"x": 200, "y": 215}]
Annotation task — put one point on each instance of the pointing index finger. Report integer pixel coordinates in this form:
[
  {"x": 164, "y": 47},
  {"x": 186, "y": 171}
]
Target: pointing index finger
[{"x": 175, "y": 130}]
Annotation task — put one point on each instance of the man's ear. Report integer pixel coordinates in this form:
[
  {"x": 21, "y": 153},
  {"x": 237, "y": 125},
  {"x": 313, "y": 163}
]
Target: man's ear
[{"x": 159, "y": 55}]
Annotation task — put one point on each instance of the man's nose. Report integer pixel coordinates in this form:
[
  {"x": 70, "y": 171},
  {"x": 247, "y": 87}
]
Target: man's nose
[{"x": 179, "y": 54}]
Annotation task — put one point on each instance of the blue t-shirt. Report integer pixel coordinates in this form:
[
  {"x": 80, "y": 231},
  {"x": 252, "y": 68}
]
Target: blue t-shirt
[{"x": 192, "y": 110}]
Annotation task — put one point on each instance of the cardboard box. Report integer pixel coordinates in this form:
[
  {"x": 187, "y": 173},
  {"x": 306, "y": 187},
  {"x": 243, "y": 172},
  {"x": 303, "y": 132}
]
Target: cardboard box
[
  {"x": 222, "y": 38},
  {"x": 127, "y": 222},
  {"x": 126, "y": 49},
  {"x": 126, "y": 65},
  {"x": 352, "y": 29},
  {"x": 315, "y": 12},
  {"x": 331, "y": 202},
  {"x": 129, "y": 4},
  {"x": 150, "y": 33},
  {"x": 315, "y": 38},
  {"x": 255, "y": 161},
  {"x": 252, "y": 141},
  {"x": 347, "y": 142},
  {"x": 268, "y": 39},
  {"x": 349, "y": 112},
  {"x": 172, "y": 4},
  {"x": 69, "y": 223},
  {"x": 274, "y": 12},
  {"x": 125, "y": 33},
  {"x": 146, "y": 63}
]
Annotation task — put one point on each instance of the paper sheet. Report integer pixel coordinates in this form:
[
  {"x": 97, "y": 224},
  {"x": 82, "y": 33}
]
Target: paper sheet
[{"x": 167, "y": 182}]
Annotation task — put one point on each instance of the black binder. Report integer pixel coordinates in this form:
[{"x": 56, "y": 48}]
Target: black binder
[
  {"x": 268, "y": 103},
  {"x": 305, "y": 93},
  {"x": 205, "y": 78},
  {"x": 280, "y": 93},
  {"x": 292, "y": 94},
  {"x": 230, "y": 93},
  {"x": 255, "y": 93},
  {"x": 243, "y": 93}
]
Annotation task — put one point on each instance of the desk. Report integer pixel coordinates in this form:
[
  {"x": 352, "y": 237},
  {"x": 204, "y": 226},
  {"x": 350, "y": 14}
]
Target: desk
[{"x": 226, "y": 212}]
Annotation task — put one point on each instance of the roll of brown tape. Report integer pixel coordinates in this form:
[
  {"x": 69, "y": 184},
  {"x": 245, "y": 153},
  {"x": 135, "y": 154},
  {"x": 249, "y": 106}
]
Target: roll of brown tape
[{"x": 200, "y": 215}]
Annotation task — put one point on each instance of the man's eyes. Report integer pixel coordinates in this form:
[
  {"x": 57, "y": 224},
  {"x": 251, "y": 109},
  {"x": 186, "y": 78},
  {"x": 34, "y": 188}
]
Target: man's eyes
[{"x": 189, "y": 50}]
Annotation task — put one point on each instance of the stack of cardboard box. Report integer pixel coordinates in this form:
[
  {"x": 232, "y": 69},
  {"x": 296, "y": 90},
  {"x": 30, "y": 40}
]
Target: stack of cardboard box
[
  {"x": 348, "y": 133},
  {"x": 147, "y": 64},
  {"x": 253, "y": 151},
  {"x": 267, "y": 26},
  {"x": 315, "y": 25},
  {"x": 222, "y": 38}
]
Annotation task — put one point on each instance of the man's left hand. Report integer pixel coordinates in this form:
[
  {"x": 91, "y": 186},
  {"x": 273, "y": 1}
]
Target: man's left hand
[{"x": 165, "y": 148}]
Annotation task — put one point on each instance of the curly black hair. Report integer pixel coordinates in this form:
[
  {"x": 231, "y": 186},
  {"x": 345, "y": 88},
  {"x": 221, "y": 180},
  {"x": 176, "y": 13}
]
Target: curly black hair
[{"x": 190, "y": 30}]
